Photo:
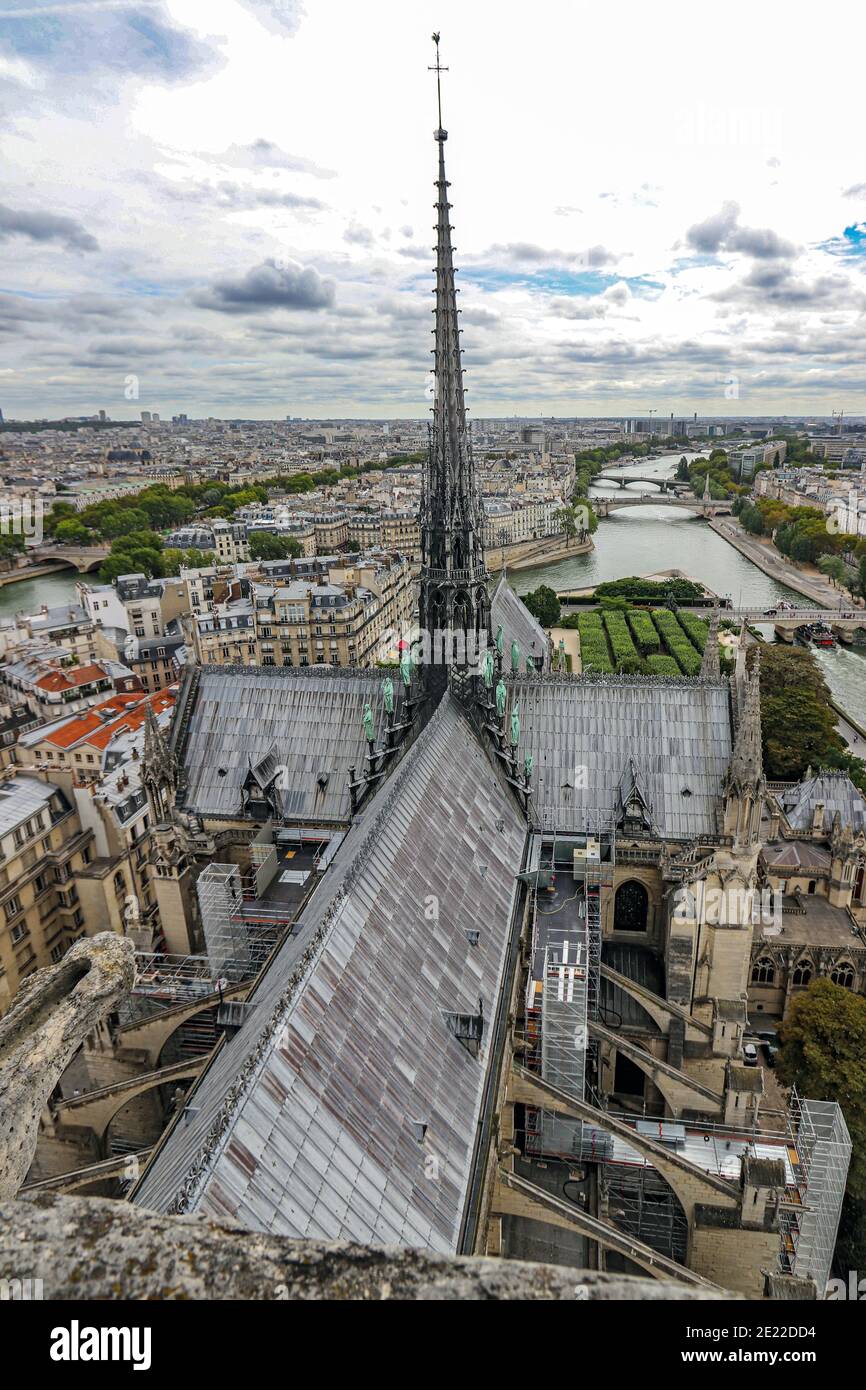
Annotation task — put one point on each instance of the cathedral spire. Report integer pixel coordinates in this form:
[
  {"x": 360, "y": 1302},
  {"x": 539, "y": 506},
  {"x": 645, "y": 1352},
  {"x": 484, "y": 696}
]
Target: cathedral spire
[
  {"x": 454, "y": 605},
  {"x": 158, "y": 768}
]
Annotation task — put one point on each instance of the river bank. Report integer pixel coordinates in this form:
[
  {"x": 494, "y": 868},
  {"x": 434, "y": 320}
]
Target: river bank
[
  {"x": 807, "y": 580},
  {"x": 32, "y": 572},
  {"x": 530, "y": 554},
  {"x": 52, "y": 589}
]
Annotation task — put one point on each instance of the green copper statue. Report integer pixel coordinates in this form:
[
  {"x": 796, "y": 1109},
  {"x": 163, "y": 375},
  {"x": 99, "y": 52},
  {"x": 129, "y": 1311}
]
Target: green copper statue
[
  {"x": 500, "y": 639},
  {"x": 528, "y": 764},
  {"x": 515, "y": 724},
  {"x": 515, "y": 659},
  {"x": 501, "y": 697},
  {"x": 406, "y": 667},
  {"x": 487, "y": 669},
  {"x": 388, "y": 694},
  {"x": 530, "y": 666},
  {"x": 369, "y": 726}
]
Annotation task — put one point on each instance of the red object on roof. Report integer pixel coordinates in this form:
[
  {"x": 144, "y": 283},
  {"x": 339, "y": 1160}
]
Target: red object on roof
[
  {"x": 71, "y": 677},
  {"x": 132, "y": 719},
  {"x": 79, "y": 725},
  {"x": 99, "y": 725}
]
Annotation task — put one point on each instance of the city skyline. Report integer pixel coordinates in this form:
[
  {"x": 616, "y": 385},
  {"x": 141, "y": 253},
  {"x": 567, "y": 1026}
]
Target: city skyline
[{"x": 232, "y": 222}]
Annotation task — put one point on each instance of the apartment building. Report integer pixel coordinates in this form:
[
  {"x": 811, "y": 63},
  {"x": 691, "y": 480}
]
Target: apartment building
[
  {"x": 48, "y": 681},
  {"x": 75, "y": 848},
  {"x": 67, "y": 627},
  {"x": 42, "y": 851},
  {"x": 345, "y": 614},
  {"x": 156, "y": 661},
  {"x": 90, "y": 744},
  {"x": 401, "y": 531},
  {"x": 507, "y": 522},
  {"x": 838, "y": 449},
  {"x": 331, "y": 532},
  {"x": 136, "y": 605}
]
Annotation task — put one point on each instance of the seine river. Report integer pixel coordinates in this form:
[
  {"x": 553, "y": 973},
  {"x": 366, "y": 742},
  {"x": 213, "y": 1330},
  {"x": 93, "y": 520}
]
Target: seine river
[
  {"x": 645, "y": 540},
  {"x": 639, "y": 540},
  {"x": 28, "y": 595}
]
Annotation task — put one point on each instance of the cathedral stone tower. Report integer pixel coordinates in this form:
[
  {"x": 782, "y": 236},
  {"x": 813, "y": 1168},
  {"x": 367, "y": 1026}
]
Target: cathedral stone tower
[{"x": 454, "y": 605}]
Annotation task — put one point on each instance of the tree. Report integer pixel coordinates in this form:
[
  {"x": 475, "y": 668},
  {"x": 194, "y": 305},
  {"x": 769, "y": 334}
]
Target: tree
[
  {"x": 834, "y": 567},
  {"x": 10, "y": 544},
  {"x": 61, "y": 511},
  {"x": 136, "y": 553},
  {"x": 683, "y": 470},
  {"x": 798, "y": 722},
  {"x": 173, "y": 560},
  {"x": 823, "y": 1054},
  {"x": 543, "y": 604},
  {"x": 137, "y": 540},
  {"x": 752, "y": 519},
  {"x": 264, "y": 545},
  {"x": 72, "y": 532},
  {"x": 121, "y": 520}
]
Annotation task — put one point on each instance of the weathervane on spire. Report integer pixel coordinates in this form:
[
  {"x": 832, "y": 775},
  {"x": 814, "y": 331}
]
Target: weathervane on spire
[{"x": 439, "y": 69}]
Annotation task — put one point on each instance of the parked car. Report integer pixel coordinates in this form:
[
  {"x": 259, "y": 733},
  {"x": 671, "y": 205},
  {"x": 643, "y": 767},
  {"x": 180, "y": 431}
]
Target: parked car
[
  {"x": 771, "y": 1052},
  {"x": 750, "y": 1054}
]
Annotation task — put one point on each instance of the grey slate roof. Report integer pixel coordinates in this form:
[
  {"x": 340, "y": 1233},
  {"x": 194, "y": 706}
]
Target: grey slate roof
[
  {"x": 309, "y": 719},
  {"x": 837, "y": 792},
  {"x": 678, "y": 732},
  {"x": 22, "y": 797},
  {"x": 518, "y": 625},
  {"x": 304, "y": 1124},
  {"x": 796, "y": 854}
]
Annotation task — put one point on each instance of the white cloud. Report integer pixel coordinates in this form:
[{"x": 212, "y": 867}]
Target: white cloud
[{"x": 208, "y": 191}]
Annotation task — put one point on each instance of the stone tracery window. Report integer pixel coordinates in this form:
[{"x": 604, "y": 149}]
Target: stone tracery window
[
  {"x": 802, "y": 973},
  {"x": 764, "y": 972},
  {"x": 631, "y": 907},
  {"x": 843, "y": 974}
]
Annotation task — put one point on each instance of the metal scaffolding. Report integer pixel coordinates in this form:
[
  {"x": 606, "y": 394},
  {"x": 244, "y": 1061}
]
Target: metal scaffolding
[
  {"x": 641, "y": 1203},
  {"x": 567, "y": 872},
  {"x": 563, "y": 989},
  {"x": 811, "y": 1142},
  {"x": 823, "y": 1145},
  {"x": 240, "y": 931}
]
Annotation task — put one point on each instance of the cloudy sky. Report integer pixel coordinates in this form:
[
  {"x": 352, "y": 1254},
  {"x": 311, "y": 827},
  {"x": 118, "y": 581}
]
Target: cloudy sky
[{"x": 655, "y": 206}]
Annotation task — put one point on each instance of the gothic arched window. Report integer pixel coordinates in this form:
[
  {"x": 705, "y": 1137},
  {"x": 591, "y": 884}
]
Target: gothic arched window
[
  {"x": 763, "y": 972},
  {"x": 843, "y": 975},
  {"x": 802, "y": 973},
  {"x": 631, "y": 907}
]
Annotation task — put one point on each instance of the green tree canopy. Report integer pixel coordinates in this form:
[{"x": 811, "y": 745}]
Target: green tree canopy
[
  {"x": 823, "y": 1054},
  {"x": 71, "y": 531},
  {"x": 264, "y": 545},
  {"x": 543, "y": 604},
  {"x": 799, "y": 725}
]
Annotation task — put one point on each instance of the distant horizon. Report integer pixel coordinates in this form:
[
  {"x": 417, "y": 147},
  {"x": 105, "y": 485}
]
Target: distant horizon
[{"x": 531, "y": 419}]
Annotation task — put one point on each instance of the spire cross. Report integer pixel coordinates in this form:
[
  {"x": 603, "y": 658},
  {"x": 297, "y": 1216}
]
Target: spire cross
[{"x": 438, "y": 69}]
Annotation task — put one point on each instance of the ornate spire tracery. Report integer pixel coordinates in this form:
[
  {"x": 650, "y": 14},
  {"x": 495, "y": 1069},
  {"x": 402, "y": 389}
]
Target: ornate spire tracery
[{"x": 453, "y": 601}]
